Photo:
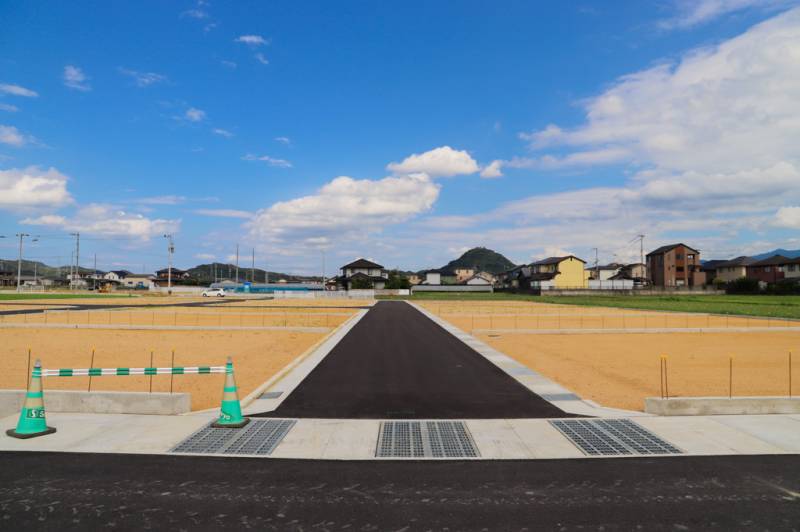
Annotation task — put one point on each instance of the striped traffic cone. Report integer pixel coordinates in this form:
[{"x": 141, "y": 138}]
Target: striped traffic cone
[
  {"x": 230, "y": 415},
  {"x": 32, "y": 422}
]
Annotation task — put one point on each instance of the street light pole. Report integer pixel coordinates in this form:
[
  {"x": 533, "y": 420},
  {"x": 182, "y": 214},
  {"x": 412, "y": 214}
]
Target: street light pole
[
  {"x": 170, "y": 251},
  {"x": 19, "y": 260},
  {"x": 237, "y": 264},
  {"x": 77, "y": 259}
]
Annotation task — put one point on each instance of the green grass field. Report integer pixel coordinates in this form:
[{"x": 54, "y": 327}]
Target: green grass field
[
  {"x": 767, "y": 306},
  {"x": 8, "y": 296}
]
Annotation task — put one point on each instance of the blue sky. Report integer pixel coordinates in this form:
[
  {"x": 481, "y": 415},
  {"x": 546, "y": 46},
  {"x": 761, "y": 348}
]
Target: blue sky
[{"x": 405, "y": 133}]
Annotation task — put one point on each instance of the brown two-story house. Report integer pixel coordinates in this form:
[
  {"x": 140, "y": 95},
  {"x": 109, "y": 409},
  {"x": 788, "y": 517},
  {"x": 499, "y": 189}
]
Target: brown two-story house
[{"x": 675, "y": 265}]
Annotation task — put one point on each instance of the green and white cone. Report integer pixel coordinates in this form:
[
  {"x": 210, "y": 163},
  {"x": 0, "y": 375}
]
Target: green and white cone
[
  {"x": 230, "y": 415},
  {"x": 32, "y": 422}
]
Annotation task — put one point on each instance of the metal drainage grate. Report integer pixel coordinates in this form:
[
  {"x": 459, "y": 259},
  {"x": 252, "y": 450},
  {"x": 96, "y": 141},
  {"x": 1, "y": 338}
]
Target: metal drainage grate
[
  {"x": 420, "y": 439},
  {"x": 270, "y": 395},
  {"x": 610, "y": 437},
  {"x": 260, "y": 436}
]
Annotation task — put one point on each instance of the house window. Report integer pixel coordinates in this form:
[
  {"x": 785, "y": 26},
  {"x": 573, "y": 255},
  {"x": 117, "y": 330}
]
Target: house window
[
  {"x": 792, "y": 267},
  {"x": 690, "y": 256},
  {"x": 767, "y": 269},
  {"x": 679, "y": 268},
  {"x": 678, "y": 256}
]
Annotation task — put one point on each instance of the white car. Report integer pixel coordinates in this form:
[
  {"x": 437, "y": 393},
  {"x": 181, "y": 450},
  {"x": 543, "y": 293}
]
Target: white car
[{"x": 216, "y": 292}]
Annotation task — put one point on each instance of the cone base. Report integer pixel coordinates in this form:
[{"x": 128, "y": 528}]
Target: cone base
[
  {"x": 218, "y": 425},
  {"x": 24, "y": 436}
]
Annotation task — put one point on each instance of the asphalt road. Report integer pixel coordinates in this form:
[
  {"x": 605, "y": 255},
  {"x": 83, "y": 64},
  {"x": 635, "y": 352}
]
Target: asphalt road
[
  {"x": 48, "y": 491},
  {"x": 397, "y": 363}
]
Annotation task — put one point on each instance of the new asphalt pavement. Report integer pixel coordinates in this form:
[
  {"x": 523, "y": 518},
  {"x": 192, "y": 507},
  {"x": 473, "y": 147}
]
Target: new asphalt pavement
[
  {"x": 397, "y": 363},
  {"x": 48, "y": 491}
]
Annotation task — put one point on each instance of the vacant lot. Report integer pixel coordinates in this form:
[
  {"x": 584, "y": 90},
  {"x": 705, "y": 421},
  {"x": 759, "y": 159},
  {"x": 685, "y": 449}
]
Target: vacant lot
[
  {"x": 257, "y": 355},
  {"x": 621, "y": 369}
]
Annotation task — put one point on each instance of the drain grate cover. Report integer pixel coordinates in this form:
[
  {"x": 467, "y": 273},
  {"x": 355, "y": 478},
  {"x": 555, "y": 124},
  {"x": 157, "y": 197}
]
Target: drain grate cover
[
  {"x": 611, "y": 437},
  {"x": 270, "y": 395},
  {"x": 260, "y": 436},
  {"x": 421, "y": 439}
]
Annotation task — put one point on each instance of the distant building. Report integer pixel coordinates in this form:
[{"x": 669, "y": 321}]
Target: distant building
[
  {"x": 675, "y": 265},
  {"x": 414, "y": 279},
  {"x": 362, "y": 272},
  {"x": 559, "y": 272},
  {"x": 710, "y": 268},
  {"x": 462, "y": 274},
  {"x": 730, "y": 270},
  {"x": 604, "y": 272},
  {"x": 477, "y": 280},
  {"x": 138, "y": 281},
  {"x": 176, "y": 274},
  {"x": 116, "y": 275},
  {"x": 774, "y": 269}
]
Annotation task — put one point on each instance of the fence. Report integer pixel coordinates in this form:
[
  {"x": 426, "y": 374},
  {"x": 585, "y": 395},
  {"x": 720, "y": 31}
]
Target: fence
[{"x": 451, "y": 288}]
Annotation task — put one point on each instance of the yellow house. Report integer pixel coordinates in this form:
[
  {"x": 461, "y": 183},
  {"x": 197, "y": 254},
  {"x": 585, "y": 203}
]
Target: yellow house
[{"x": 560, "y": 272}]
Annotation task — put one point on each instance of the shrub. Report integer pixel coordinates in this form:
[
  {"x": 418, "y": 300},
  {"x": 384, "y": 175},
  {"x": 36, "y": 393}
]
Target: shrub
[{"x": 743, "y": 285}]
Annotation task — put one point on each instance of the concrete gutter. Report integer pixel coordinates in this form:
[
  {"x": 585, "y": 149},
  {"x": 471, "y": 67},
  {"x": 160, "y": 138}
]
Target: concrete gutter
[
  {"x": 80, "y": 402},
  {"x": 709, "y": 406}
]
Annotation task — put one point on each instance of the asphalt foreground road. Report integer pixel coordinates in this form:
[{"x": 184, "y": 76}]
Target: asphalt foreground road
[
  {"x": 48, "y": 491},
  {"x": 397, "y": 363}
]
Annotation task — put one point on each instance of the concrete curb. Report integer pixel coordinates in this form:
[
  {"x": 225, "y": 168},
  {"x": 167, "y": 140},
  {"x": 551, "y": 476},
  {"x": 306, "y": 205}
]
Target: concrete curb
[
  {"x": 101, "y": 402},
  {"x": 713, "y": 406},
  {"x": 654, "y": 330}
]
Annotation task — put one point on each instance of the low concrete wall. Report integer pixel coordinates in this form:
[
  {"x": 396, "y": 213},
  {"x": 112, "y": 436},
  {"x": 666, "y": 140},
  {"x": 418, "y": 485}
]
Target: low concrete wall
[
  {"x": 451, "y": 288},
  {"x": 713, "y": 406},
  {"x": 100, "y": 402}
]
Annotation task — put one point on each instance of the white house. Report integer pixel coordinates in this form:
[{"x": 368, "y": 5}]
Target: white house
[
  {"x": 138, "y": 281},
  {"x": 478, "y": 280},
  {"x": 116, "y": 275}
]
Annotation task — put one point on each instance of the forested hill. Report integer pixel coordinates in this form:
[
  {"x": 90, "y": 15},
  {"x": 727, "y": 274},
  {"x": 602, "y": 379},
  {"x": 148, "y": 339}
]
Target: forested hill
[{"x": 481, "y": 259}]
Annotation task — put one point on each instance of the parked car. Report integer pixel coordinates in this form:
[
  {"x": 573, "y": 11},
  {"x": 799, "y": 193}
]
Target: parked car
[{"x": 214, "y": 292}]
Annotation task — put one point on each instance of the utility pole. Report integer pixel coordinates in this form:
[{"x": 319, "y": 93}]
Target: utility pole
[
  {"x": 170, "y": 251},
  {"x": 253, "y": 268},
  {"x": 323, "y": 269},
  {"x": 19, "y": 260},
  {"x": 237, "y": 263},
  {"x": 94, "y": 281},
  {"x": 596, "y": 265},
  {"x": 77, "y": 259}
]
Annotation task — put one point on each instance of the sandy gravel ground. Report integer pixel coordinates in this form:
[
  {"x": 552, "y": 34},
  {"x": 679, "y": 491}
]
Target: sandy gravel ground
[
  {"x": 620, "y": 370},
  {"x": 257, "y": 356}
]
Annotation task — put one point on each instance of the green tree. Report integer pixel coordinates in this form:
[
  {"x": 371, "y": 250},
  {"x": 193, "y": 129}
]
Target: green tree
[{"x": 397, "y": 280}]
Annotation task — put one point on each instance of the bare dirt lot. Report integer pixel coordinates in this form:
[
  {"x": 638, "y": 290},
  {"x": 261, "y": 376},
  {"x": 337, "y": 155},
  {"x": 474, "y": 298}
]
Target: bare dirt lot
[
  {"x": 257, "y": 355},
  {"x": 620, "y": 370}
]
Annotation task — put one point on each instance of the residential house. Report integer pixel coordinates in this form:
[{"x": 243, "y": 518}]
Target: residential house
[
  {"x": 559, "y": 272},
  {"x": 177, "y": 274},
  {"x": 636, "y": 272},
  {"x": 774, "y": 269},
  {"x": 604, "y": 272},
  {"x": 477, "y": 280},
  {"x": 415, "y": 279},
  {"x": 138, "y": 281},
  {"x": 517, "y": 278},
  {"x": 711, "y": 268},
  {"x": 362, "y": 272},
  {"x": 730, "y": 270},
  {"x": 116, "y": 275},
  {"x": 462, "y": 274},
  {"x": 675, "y": 265}
]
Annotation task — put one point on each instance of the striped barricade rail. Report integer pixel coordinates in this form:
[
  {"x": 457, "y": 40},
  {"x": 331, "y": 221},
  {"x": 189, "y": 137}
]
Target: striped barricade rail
[
  {"x": 32, "y": 421},
  {"x": 110, "y": 372}
]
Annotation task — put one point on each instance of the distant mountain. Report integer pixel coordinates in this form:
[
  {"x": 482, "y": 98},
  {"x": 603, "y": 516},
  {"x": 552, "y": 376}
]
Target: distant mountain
[
  {"x": 40, "y": 269},
  {"x": 481, "y": 259},
  {"x": 788, "y": 253},
  {"x": 204, "y": 273}
]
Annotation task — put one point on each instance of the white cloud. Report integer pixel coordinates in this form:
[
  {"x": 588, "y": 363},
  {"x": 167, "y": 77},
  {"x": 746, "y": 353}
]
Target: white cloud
[
  {"x": 16, "y": 90},
  {"x": 224, "y": 213},
  {"x": 162, "y": 200},
  {"x": 33, "y": 187},
  {"x": 788, "y": 217},
  {"x": 143, "y": 79},
  {"x": 252, "y": 40},
  {"x": 493, "y": 170},
  {"x": 195, "y": 115},
  {"x": 281, "y": 163},
  {"x": 438, "y": 162},
  {"x": 12, "y": 136},
  {"x": 696, "y": 12},
  {"x": 195, "y": 13},
  {"x": 108, "y": 220},
  {"x": 74, "y": 78},
  {"x": 229, "y": 64},
  {"x": 284, "y": 140},
  {"x": 222, "y": 132},
  {"x": 345, "y": 208},
  {"x": 261, "y": 58},
  {"x": 573, "y": 160},
  {"x": 8, "y": 107}
]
